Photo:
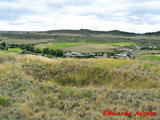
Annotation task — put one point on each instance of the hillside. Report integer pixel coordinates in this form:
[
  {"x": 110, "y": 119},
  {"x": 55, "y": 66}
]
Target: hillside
[
  {"x": 34, "y": 87},
  {"x": 143, "y": 41},
  {"x": 86, "y": 31}
]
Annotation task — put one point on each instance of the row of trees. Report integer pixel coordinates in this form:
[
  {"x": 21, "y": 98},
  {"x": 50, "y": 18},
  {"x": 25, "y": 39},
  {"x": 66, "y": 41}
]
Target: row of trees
[
  {"x": 30, "y": 48},
  {"x": 48, "y": 51}
]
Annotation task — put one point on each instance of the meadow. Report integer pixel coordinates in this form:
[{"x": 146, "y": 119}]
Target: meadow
[
  {"x": 11, "y": 50},
  {"x": 149, "y": 57},
  {"x": 59, "y": 45},
  {"x": 35, "y": 87}
]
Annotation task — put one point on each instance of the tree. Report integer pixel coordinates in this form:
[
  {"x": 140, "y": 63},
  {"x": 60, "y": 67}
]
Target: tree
[
  {"x": 59, "y": 53},
  {"x": 38, "y": 50},
  {"x": 29, "y": 47},
  {"x": 52, "y": 52},
  {"x": 46, "y": 51},
  {"x": 3, "y": 44},
  {"x": 12, "y": 45}
]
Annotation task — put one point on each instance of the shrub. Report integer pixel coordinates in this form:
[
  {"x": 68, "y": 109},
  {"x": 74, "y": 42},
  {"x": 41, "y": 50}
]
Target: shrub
[
  {"x": 38, "y": 50},
  {"x": 59, "y": 53},
  {"x": 3, "y": 44},
  {"x": 46, "y": 51},
  {"x": 29, "y": 47},
  {"x": 4, "y": 101},
  {"x": 12, "y": 45},
  {"x": 52, "y": 52}
]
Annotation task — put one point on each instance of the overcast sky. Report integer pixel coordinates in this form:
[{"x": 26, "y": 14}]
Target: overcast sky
[{"x": 126, "y": 15}]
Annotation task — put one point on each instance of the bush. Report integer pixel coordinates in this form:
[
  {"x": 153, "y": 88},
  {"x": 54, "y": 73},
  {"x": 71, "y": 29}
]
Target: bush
[
  {"x": 4, "y": 101},
  {"x": 12, "y": 45},
  {"x": 29, "y": 47},
  {"x": 38, "y": 50},
  {"x": 46, "y": 51},
  {"x": 59, "y": 53},
  {"x": 3, "y": 44},
  {"x": 52, "y": 52}
]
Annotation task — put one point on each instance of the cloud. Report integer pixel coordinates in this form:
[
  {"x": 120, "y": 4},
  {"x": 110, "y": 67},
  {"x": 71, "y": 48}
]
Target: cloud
[{"x": 127, "y": 15}]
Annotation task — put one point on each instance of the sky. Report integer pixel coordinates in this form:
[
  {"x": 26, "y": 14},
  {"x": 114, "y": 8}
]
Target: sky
[{"x": 138, "y": 16}]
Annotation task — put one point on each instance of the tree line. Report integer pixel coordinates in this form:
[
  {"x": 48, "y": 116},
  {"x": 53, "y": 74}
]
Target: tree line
[{"x": 29, "y": 48}]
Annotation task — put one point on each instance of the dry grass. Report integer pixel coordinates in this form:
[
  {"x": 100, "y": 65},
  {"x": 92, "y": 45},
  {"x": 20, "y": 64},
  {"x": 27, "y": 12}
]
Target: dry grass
[
  {"x": 39, "y": 88},
  {"x": 89, "y": 48}
]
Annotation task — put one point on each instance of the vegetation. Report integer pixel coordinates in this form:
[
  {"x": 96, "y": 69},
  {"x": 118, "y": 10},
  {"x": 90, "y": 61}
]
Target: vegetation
[
  {"x": 121, "y": 44},
  {"x": 37, "y": 87},
  {"x": 59, "y": 45},
  {"x": 144, "y": 41},
  {"x": 150, "y": 57},
  {"x": 34, "y": 87},
  {"x": 29, "y": 48}
]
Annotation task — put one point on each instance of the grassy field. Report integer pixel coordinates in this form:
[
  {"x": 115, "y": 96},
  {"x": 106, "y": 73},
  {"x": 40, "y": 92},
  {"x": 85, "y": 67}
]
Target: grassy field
[
  {"x": 10, "y": 50},
  {"x": 34, "y": 88},
  {"x": 90, "y": 48},
  {"x": 121, "y": 44},
  {"x": 59, "y": 45},
  {"x": 78, "y": 47},
  {"x": 150, "y": 57}
]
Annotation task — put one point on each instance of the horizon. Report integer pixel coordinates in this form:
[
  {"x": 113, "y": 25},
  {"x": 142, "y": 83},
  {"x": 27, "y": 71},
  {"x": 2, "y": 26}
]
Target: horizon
[
  {"x": 73, "y": 30},
  {"x": 101, "y": 15}
]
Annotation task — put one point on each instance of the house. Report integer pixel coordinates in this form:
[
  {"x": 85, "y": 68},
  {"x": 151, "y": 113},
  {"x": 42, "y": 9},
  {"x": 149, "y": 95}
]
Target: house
[{"x": 74, "y": 54}]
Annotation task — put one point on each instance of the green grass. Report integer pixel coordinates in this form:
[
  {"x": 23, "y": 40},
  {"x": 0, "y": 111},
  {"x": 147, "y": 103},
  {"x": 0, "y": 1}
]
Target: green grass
[
  {"x": 121, "y": 44},
  {"x": 10, "y": 50},
  {"x": 4, "y": 101},
  {"x": 149, "y": 57},
  {"x": 61, "y": 45}
]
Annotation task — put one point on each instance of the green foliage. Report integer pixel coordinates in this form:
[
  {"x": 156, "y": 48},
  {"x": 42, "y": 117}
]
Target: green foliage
[
  {"x": 53, "y": 52},
  {"x": 46, "y": 51},
  {"x": 29, "y": 47},
  {"x": 87, "y": 94},
  {"x": 37, "y": 50},
  {"x": 3, "y": 44},
  {"x": 4, "y": 101},
  {"x": 12, "y": 45},
  {"x": 59, "y": 53}
]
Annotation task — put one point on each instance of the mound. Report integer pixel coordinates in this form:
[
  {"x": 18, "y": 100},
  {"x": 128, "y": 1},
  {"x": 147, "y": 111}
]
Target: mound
[{"x": 34, "y": 88}]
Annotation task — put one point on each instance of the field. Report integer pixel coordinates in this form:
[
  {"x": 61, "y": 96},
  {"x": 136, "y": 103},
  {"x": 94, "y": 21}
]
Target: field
[
  {"x": 83, "y": 36},
  {"x": 150, "y": 57},
  {"x": 11, "y": 50},
  {"x": 90, "y": 48},
  {"x": 33, "y": 87},
  {"x": 121, "y": 44},
  {"x": 81, "y": 47},
  {"x": 59, "y": 45}
]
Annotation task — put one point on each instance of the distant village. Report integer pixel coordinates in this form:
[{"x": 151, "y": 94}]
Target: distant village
[{"x": 124, "y": 53}]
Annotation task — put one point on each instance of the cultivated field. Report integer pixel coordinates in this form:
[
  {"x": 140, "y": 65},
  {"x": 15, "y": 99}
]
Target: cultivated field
[{"x": 90, "y": 48}]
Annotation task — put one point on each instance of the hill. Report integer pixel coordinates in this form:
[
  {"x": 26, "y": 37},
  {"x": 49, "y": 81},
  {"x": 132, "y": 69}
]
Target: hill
[
  {"x": 34, "y": 88},
  {"x": 86, "y": 31},
  {"x": 153, "y": 33}
]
